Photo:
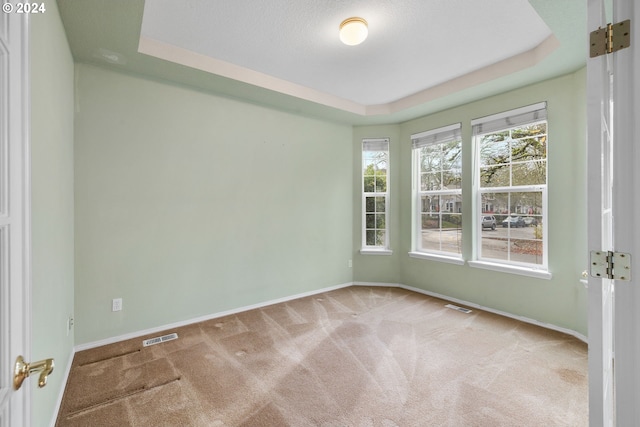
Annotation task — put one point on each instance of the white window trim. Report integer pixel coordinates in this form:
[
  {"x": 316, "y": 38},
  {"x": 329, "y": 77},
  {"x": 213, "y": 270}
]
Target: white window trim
[
  {"x": 370, "y": 251},
  {"x": 366, "y": 249},
  {"x": 532, "y": 270},
  {"x": 441, "y": 257},
  {"x": 416, "y": 196},
  {"x": 511, "y": 268}
]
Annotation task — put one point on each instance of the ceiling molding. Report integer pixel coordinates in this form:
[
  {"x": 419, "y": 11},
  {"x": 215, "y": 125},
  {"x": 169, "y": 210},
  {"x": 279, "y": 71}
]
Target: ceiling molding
[
  {"x": 208, "y": 64},
  {"x": 499, "y": 69},
  {"x": 168, "y": 52}
]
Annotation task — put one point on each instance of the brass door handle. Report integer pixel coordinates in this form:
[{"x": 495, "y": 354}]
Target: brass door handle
[{"x": 22, "y": 370}]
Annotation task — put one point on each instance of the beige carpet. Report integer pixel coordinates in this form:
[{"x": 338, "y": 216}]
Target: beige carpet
[{"x": 357, "y": 356}]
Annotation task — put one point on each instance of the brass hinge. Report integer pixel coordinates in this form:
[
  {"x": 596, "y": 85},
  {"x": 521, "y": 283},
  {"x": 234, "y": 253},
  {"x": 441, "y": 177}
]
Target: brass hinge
[
  {"x": 610, "y": 265},
  {"x": 610, "y": 39}
]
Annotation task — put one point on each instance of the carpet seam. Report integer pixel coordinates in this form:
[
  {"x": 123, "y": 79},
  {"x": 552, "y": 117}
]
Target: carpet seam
[
  {"x": 109, "y": 358},
  {"x": 118, "y": 398}
]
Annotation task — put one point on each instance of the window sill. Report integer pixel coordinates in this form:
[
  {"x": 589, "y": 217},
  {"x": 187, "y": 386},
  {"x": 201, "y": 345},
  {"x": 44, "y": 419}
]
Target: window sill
[
  {"x": 437, "y": 257},
  {"x": 513, "y": 269},
  {"x": 376, "y": 252}
]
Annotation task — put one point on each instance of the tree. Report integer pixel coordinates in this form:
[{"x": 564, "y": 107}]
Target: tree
[{"x": 514, "y": 157}]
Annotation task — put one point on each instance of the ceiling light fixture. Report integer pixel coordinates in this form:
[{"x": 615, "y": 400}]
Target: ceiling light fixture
[{"x": 353, "y": 31}]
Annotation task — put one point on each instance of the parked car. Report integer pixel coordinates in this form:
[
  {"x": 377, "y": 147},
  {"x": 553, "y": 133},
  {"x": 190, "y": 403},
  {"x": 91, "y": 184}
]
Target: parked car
[
  {"x": 530, "y": 221},
  {"x": 513, "y": 221},
  {"x": 488, "y": 221}
]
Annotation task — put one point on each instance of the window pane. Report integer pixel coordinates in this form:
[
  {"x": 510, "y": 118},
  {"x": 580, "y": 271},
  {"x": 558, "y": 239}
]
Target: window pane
[
  {"x": 494, "y": 149},
  {"x": 374, "y": 160},
  {"x": 430, "y": 181},
  {"x": 529, "y": 251},
  {"x": 488, "y": 203},
  {"x": 451, "y": 203},
  {"x": 380, "y": 204},
  {"x": 380, "y": 237},
  {"x": 431, "y": 158},
  {"x": 430, "y": 203},
  {"x": 452, "y": 179},
  {"x": 369, "y": 184},
  {"x": 371, "y": 237},
  {"x": 451, "y": 234},
  {"x": 370, "y": 221},
  {"x": 531, "y": 130},
  {"x": 381, "y": 164},
  {"x": 529, "y": 173},
  {"x": 452, "y": 155},
  {"x": 501, "y": 205},
  {"x": 430, "y": 221},
  {"x": 452, "y": 221},
  {"x": 495, "y": 245},
  {"x": 370, "y": 204},
  {"x": 496, "y": 176},
  {"x": 526, "y": 203},
  {"x": 494, "y": 241},
  {"x": 529, "y": 149},
  {"x": 430, "y": 233},
  {"x": 381, "y": 183},
  {"x": 380, "y": 221}
]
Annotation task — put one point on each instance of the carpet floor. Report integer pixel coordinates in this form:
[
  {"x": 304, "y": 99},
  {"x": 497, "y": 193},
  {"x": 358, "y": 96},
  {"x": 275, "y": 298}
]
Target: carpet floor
[{"x": 358, "y": 356}]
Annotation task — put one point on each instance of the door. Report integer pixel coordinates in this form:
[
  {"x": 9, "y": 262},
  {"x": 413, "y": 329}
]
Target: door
[
  {"x": 612, "y": 202},
  {"x": 600, "y": 223},
  {"x": 14, "y": 214},
  {"x": 626, "y": 208}
]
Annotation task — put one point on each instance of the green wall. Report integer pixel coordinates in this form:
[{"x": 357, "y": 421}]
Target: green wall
[
  {"x": 52, "y": 204},
  {"x": 560, "y": 301},
  {"x": 188, "y": 204}
]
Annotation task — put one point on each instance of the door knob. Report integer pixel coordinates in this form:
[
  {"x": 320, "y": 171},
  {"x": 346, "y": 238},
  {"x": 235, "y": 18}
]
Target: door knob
[{"x": 22, "y": 370}]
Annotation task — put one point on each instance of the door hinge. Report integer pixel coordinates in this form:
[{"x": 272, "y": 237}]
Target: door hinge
[
  {"x": 610, "y": 265},
  {"x": 610, "y": 39}
]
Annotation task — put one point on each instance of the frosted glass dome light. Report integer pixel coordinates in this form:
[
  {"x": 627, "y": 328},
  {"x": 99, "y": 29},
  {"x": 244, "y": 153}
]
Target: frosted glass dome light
[{"x": 353, "y": 31}]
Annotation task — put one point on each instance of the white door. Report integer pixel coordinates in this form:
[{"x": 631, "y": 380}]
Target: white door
[
  {"x": 600, "y": 223},
  {"x": 626, "y": 208},
  {"x": 14, "y": 214},
  {"x": 612, "y": 203}
]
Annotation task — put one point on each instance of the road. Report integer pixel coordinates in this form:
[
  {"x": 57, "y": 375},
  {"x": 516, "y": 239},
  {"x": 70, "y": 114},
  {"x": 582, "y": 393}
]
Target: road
[{"x": 524, "y": 247}]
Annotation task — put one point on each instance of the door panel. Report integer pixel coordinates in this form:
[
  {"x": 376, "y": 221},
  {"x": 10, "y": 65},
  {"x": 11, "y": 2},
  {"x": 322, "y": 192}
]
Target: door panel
[
  {"x": 14, "y": 214},
  {"x": 613, "y": 205},
  {"x": 626, "y": 206},
  {"x": 600, "y": 222}
]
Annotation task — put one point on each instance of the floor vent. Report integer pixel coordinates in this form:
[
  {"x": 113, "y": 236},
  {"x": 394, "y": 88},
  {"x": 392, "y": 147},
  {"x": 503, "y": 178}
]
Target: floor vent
[
  {"x": 158, "y": 340},
  {"x": 461, "y": 309}
]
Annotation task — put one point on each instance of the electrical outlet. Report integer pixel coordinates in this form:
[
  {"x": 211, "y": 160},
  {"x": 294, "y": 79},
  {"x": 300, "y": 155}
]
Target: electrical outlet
[
  {"x": 350, "y": 264},
  {"x": 116, "y": 304}
]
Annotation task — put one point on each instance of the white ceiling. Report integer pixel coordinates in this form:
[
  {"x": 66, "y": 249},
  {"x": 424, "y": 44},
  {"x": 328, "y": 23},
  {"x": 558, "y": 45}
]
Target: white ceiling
[{"x": 417, "y": 50}]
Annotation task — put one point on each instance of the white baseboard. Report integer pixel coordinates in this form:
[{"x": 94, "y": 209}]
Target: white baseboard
[
  {"x": 319, "y": 291},
  {"x": 206, "y": 317},
  {"x": 379, "y": 284},
  {"x": 501, "y": 313},
  {"x": 65, "y": 378}
]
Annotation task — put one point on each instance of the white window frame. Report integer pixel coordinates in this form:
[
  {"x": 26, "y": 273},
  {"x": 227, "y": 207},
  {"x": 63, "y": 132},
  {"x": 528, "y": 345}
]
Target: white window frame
[
  {"x": 437, "y": 136},
  {"x": 508, "y": 120},
  {"x": 375, "y": 145}
]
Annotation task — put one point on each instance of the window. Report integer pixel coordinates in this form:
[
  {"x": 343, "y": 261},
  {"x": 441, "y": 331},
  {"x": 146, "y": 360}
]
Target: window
[
  {"x": 375, "y": 195},
  {"x": 511, "y": 177},
  {"x": 437, "y": 192}
]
